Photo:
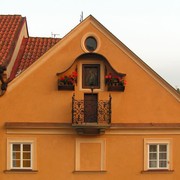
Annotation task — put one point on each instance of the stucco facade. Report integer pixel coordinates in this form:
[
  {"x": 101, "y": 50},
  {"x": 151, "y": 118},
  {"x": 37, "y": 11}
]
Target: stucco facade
[{"x": 145, "y": 114}]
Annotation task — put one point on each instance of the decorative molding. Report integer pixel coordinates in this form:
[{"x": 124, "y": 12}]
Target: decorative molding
[
  {"x": 114, "y": 129},
  {"x": 100, "y": 141}
]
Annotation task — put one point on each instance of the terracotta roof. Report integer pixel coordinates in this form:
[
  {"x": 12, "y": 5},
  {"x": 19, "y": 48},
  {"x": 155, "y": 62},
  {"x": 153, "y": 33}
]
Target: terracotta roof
[
  {"x": 10, "y": 27},
  {"x": 31, "y": 49}
]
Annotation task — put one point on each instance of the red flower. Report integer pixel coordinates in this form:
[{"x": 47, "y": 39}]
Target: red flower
[{"x": 69, "y": 80}]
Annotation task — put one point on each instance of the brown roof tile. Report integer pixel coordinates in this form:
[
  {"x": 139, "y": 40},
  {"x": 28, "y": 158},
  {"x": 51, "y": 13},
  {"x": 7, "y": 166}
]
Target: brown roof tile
[
  {"x": 10, "y": 26},
  {"x": 31, "y": 49}
]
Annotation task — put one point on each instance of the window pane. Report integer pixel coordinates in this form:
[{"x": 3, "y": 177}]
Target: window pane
[
  {"x": 163, "y": 148},
  {"x": 163, "y": 164},
  {"x": 152, "y": 164},
  {"x": 153, "y": 148},
  {"x": 91, "y": 43},
  {"x": 16, "y": 147},
  {"x": 26, "y": 147},
  {"x": 153, "y": 156},
  {"x": 26, "y": 163},
  {"x": 27, "y": 155},
  {"x": 163, "y": 156},
  {"x": 16, "y": 155},
  {"x": 16, "y": 163}
]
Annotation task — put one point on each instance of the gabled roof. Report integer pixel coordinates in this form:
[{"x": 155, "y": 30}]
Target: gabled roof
[
  {"x": 10, "y": 27},
  {"x": 31, "y": 49}
]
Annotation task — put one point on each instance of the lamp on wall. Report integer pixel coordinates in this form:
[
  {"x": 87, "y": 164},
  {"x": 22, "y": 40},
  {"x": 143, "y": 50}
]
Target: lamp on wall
[
  {"x": 3, "y": 79},
  {"x": 92, "y": 89}
]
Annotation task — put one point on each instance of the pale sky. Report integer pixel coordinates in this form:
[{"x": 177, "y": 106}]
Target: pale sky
[{"x": 150, "y": 28}]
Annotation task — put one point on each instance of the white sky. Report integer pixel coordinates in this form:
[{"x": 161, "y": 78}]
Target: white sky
[{"x": 150, "y": 28}]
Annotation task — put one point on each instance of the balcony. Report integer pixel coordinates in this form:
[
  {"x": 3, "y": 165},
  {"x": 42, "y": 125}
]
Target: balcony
[{"x": 89, "y": 116}]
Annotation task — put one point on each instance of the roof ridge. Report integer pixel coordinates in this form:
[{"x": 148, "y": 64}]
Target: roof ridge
[
  {"x": 10, "y": 28},
  {"x": 18, "y": 58},
  {"x": 43, "y": 37}
]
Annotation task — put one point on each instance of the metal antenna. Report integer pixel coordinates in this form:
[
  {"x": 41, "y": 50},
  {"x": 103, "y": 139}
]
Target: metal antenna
[
  {"x": 81, "y": 17},
  {"x": 53, "y": 35}
]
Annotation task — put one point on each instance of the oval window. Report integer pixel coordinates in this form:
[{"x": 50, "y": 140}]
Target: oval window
[{"x": 91, "y": 43}]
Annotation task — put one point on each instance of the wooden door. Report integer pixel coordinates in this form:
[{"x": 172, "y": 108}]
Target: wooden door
[{"x": 90, "y": 107}]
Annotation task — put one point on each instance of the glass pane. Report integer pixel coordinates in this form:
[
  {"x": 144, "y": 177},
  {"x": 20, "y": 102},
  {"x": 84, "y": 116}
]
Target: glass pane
[
  {"x": 153, "y": 148},
  {"x": 152, "y": 164},
  {"x": 163, "y": 148},
  {"x": 26, "y": 147},
  {"x": 16, "y": 147},
  {"x": 91, "y": 43},
  {"x": 153, "y": 156},
  {"x": 27, "y": 155},
  {"x": 163, "y": 156},
  {"x": 16, "y": 155},
  {"x": 26, "y": 163},
  {"x": 163, "y": 164},
  {"x": 16, "y": 163}
]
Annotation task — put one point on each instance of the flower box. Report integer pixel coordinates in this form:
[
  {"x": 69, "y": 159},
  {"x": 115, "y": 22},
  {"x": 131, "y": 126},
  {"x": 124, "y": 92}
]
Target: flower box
[
  {"x": 115, "y": 82},
  {"x": 67, "y": 83},
  {"x": 116, "y": 88},
  {"x": 66, "y": 87}
]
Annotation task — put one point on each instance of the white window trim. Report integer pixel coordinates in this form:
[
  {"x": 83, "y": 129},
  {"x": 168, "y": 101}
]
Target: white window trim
[
  {"x": 148, "y": 142},
  {"x": 10, "y": 142},
  {"x": 80, "y": 141}
]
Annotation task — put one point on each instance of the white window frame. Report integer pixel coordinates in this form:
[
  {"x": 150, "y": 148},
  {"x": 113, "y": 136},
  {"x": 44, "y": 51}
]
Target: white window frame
[
  {"x": 21, "y": 155},
  {"x": 10, "y": 143},
  {"x": 147, "y": 143},
  {"x": 158, "y": 156}
]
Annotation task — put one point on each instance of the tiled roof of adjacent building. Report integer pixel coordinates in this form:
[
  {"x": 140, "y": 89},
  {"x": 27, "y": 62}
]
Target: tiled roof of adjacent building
[
  {"x": 10, "y": 27},
  {"x": 31, "y": 49}
]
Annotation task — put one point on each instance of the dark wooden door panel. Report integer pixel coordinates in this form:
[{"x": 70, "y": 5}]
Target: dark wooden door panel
[{"x": 90, "y": 107}]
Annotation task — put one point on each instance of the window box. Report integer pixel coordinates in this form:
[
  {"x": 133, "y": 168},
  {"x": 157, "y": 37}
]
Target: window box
[
  {"x": 116, "y": 88},
  {"x": 65, "y": 87},
  {"x": 67, "y": 83}
]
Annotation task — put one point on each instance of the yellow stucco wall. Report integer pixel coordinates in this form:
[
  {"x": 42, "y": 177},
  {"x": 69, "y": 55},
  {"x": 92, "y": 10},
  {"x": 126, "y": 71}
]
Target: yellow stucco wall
[{"x": 33, "y": 97}]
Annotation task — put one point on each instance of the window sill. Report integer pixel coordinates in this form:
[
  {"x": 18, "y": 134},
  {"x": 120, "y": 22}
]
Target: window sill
[
  {"x": 21, "y": 171},
  {"x": 95, "y": 171},
  {"x": 161, "y": 171}
]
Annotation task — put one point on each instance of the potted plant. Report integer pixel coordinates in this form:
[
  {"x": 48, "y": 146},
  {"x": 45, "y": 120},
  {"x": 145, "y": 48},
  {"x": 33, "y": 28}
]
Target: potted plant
[
  {"x": 115, "y": 82},
  {"x": 67, "y": 82}
]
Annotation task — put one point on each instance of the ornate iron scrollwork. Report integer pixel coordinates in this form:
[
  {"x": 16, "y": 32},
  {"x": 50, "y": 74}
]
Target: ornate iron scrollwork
[{"x": 103, "y": 111}]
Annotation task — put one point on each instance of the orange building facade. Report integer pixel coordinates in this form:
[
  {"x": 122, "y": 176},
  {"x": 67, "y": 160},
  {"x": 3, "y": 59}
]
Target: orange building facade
[{"x": 89, "y": 108}]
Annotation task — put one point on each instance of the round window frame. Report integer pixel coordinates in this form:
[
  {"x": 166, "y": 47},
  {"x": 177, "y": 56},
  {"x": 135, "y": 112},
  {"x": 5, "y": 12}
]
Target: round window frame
[
  {"x": 90, "y": 44},
  {"x": 83, "y": 45}
]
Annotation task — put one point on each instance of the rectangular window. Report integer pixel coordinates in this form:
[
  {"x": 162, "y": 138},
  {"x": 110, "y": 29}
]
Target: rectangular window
[
  {"x": 21, "y": 156},
  {"x": 157, "y": 154}
]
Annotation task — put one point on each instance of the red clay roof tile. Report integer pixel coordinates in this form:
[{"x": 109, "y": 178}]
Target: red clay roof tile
[
  {"x": 10, "y": 26},
  {"x": 31, "y": 49}
]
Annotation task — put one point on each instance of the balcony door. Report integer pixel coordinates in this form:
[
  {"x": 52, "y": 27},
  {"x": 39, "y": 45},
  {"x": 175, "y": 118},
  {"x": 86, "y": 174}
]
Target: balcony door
[{"x": 90, "y": 108}]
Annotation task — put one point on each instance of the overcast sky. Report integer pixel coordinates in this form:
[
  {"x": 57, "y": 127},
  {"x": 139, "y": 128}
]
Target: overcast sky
[{"x": 150, "y": 28}]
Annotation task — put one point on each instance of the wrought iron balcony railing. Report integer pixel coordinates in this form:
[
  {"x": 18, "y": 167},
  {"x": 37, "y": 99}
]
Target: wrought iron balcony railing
[{"x": 81, "y": 114}]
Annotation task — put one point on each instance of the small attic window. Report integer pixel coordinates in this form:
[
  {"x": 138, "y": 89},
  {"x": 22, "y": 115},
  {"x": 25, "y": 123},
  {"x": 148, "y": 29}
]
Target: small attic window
[{"x": 91, "y": 43}]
